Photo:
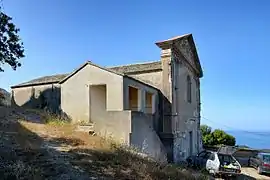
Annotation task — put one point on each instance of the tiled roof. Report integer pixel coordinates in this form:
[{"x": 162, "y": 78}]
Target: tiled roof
[
  {"x": 125, "y": 69},
  {"x": 43, "y": 80},
  {"x": 137, "y": 68}
]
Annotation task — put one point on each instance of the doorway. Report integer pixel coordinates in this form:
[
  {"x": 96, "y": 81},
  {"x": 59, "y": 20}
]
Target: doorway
[{"x": 97, "y": 101}]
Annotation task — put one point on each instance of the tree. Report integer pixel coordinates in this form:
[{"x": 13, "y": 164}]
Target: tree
[
  {"x": 231, "y": 141},
  {"x": 216, "y": 137},
  {"x": 206, "y": 130},
  {"x": 206, "y": 135},
  {"x": 11, "y": 47}
]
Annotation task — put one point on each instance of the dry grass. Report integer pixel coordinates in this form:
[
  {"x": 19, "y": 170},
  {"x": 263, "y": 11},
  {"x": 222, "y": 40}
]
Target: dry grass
[
  {"x": 118, "y": 163},
  {"x": 102, "y": 157},
  {"x": 73, "y": 155}
]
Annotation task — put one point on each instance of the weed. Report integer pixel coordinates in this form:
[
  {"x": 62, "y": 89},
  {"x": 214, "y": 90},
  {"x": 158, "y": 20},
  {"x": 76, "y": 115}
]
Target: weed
[{"x": 55, "y": 119}]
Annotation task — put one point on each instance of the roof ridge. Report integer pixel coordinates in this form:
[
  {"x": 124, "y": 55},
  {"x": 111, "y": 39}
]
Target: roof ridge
[{"x": 50, "y": 75}]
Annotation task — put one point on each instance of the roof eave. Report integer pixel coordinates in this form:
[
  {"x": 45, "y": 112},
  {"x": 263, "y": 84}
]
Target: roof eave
[
  {"x": 144, "y": 71},
  {"x": 34, "y": 84},
  {"x": 164, "y": 44},
  {"x": 169, "y": 42}
]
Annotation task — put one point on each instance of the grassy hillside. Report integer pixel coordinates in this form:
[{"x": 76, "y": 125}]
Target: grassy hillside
[
  {"x": 32, "y": 148},
  {"x": 5, "y": 98}
]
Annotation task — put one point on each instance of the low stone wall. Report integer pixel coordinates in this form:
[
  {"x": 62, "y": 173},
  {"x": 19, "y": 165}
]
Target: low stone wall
[{"x": 144, "y": 138}]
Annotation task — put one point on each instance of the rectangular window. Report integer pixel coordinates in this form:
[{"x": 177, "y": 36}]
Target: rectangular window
[
  {"x": 133, "y": 98},
  {"x": 188, "y": 83}
]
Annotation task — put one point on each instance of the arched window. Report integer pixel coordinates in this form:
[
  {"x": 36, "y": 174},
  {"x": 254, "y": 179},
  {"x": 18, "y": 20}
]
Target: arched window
[{"x": 188, "y": 89}]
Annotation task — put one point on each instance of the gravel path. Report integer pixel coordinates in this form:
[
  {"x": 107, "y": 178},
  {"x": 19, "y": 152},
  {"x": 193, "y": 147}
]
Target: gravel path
[{"x": 252, "y": 173}]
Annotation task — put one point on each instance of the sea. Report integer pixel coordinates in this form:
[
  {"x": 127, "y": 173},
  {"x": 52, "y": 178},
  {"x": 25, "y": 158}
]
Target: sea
[{"x": 252, "y": 139}]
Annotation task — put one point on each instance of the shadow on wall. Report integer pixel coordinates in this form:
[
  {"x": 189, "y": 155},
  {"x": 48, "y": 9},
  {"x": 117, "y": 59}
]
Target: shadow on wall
[
  {"x": 48, "y": 100},
  {"x": 164, "y": 126},
  {"x": 166, "y": 106},
  {"x": 144, "y": 138}
]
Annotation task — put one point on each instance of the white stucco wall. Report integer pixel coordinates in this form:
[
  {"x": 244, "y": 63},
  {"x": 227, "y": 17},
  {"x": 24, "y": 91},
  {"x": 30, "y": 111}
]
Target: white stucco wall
[
  {"x": 141, "y": 87},
  {"x": 153, "y": 78},
  {"x": 75, "y": 91}
]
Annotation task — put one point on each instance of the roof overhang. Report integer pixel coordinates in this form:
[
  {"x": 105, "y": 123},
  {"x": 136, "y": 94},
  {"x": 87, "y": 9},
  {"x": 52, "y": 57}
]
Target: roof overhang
[
  {"x": 34, "y": 84},
  {"x": 168, "y": 44}
]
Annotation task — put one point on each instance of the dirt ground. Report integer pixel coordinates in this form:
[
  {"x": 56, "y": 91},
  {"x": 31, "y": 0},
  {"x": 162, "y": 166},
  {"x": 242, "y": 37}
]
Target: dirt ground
[
  {"x": 59, "y": 152},
  {"x": 251, "y": 173},
  {"x": 31, "y": 148}
]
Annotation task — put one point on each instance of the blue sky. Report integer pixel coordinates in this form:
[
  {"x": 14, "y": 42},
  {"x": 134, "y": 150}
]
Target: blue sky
[{"x": 232, "y": 40}]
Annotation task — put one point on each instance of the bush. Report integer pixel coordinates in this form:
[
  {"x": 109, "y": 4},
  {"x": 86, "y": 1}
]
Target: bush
[
  {"x": 56, "y": 119},
  {"x": 216, "y": 137}
]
